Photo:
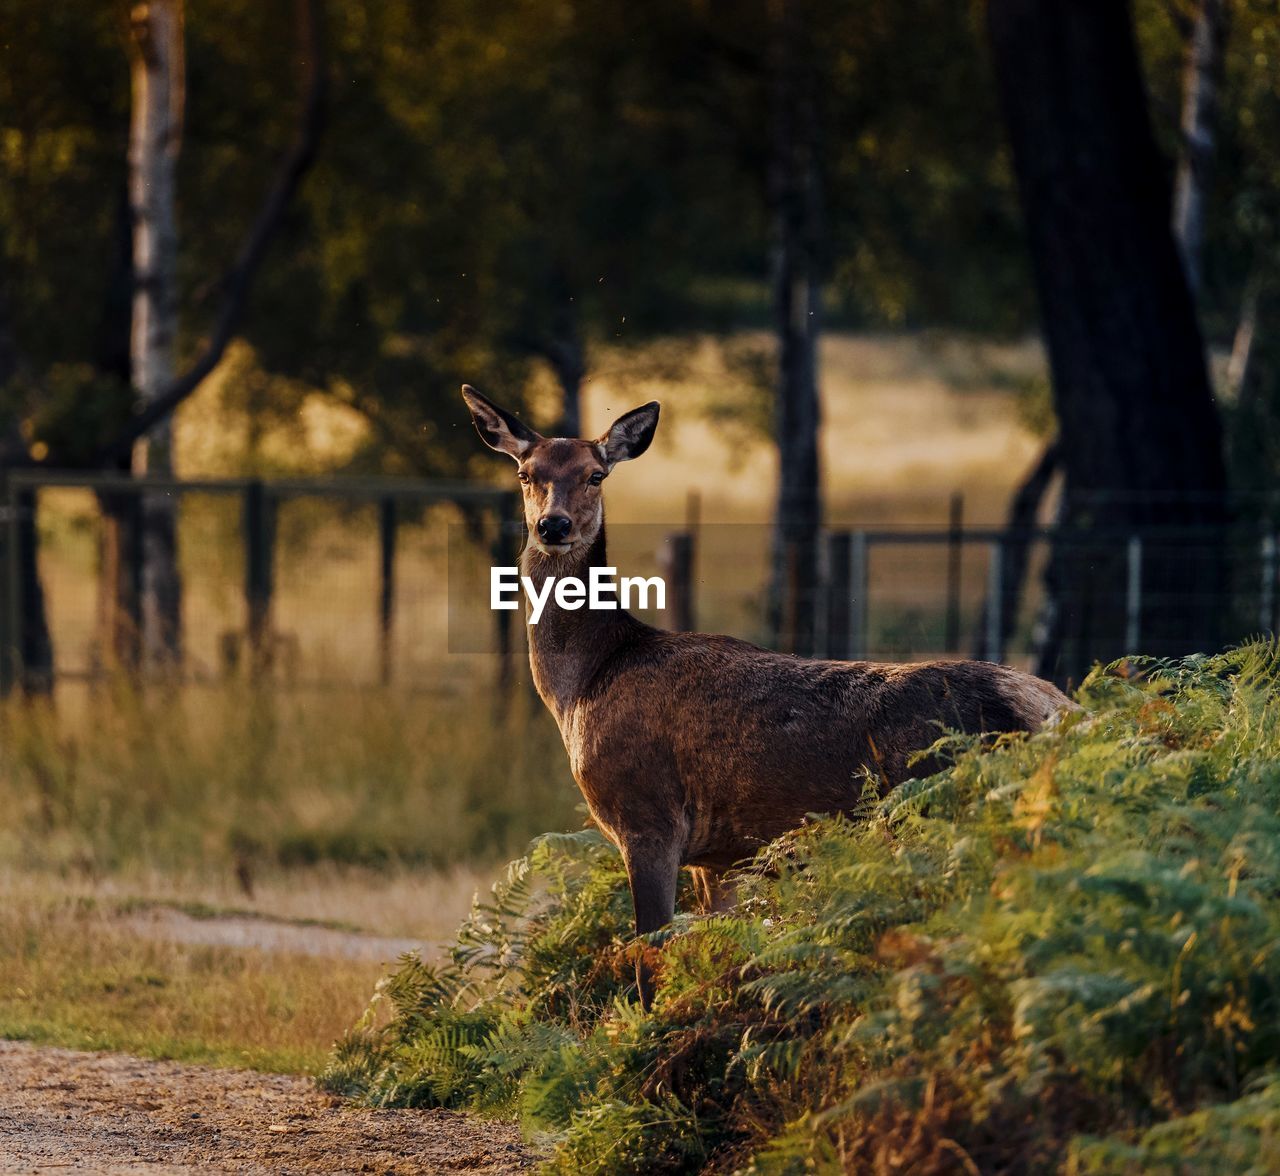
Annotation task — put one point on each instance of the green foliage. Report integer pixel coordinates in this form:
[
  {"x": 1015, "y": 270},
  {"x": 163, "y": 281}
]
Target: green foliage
[{"x": 1061, "y": 953}]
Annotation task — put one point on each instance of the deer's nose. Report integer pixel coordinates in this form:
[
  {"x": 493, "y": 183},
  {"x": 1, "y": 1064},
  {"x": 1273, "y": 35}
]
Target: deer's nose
[{"x": 554, "y": 528}]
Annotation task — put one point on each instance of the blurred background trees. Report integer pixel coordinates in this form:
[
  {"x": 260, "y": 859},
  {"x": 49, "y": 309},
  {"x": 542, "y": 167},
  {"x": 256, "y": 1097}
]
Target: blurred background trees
[{"x": 501, "y": 189}]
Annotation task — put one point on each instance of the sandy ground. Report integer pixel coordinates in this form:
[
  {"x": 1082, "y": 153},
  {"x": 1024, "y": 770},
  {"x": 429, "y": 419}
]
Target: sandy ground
[
  {"x": 109, "y": 1113},
  {"x": 268, "y": 934}
]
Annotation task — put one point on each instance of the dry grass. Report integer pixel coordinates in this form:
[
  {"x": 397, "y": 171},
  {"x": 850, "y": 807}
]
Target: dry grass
[
  {"x": 376, "y": 813},
  {"x": 69, "y": 977},
  {"x": 907, "y": 420},
  {"x": 222, "y": 778},
  {"x": 78, "y": 969}
]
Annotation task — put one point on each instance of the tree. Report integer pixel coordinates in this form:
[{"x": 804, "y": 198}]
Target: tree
[
  {"x": 1141, "y": 436},
  {"x": 73, "y": 393},
  {"x": 795, "y": 204},
  {"x": 155, "y": 136},
  {"x": 1203, "y": 76}
]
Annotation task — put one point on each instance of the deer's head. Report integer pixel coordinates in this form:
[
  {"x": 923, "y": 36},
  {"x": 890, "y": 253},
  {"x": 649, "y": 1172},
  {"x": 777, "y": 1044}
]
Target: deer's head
[{"x": 561, "y": 477}]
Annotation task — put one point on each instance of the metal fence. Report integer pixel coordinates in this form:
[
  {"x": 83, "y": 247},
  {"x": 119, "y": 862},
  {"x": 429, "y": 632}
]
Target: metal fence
[{"x": 358, "y": 580}]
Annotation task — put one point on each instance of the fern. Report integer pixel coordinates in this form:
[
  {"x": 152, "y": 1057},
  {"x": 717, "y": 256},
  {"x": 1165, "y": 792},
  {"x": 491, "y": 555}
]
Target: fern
[{"x": 1062, "y": 952}]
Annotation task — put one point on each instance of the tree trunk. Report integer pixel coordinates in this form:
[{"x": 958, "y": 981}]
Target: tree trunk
[
  {"x": 155, "y": 136},
  {"x": 567, "y": 361},
  {"x": 1199, "y": 126},
  {"x": 1240, "y": 365},
  {"x": 795, "y": 206},
  {"x": 31, "y": 648},
  {"x": 1254, "y": 443},
  {"x": 119, "y": 618},
  {"x": 1141, "y": 436}
]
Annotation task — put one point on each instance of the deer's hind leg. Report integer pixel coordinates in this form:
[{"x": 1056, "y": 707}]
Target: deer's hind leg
[
  {"x": 715, "y": 894},
  {"x": 652, "y": 869}
]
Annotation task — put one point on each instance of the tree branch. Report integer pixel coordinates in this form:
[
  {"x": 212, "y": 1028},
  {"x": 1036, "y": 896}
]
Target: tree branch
[
  {"x": 238, "y": 282},
  {"x": 1023, "y": 509}
]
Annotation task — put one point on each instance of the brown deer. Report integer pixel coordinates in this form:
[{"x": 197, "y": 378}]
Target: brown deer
[{"x": 696, "y": 750}]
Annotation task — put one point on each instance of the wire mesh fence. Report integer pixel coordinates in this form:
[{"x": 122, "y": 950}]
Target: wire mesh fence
[{"x": 386, "y": 581}]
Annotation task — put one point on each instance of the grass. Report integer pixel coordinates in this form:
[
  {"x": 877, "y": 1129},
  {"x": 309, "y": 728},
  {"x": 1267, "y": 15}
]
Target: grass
[
  {"x": 91, "y": 987},
  {"x": 1061, "y": 954},
  {"x": 223, "y": 778},
  {"x": 324, "y": 811},
  {"x": 76, "y": 970}
]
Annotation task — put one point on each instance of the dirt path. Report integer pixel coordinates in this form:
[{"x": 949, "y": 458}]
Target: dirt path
[
  {"x": 266, "y": 934},
  {"x": 108, "y": 1113}
]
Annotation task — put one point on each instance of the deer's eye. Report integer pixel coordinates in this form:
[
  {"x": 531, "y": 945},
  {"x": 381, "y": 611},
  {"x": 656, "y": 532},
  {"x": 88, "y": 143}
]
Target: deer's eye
[
  {"x": 595, "y": 479},
  {"x": 523, "y": 477}
]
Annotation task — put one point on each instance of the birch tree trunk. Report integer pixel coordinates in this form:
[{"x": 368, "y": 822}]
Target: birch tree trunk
[
  {"x": 155, "y": 136},
  {"x": 795, "y": 205},
  {"x": 1199, "y": 133}
]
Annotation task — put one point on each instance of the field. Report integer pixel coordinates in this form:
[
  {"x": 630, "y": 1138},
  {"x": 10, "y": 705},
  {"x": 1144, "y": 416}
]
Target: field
[
  {"x": 220, "y": 874},
  {"x": 221, "y": 879},
  {"x": 910, "y": 420},
  {"x": 1060, "y": 954}
]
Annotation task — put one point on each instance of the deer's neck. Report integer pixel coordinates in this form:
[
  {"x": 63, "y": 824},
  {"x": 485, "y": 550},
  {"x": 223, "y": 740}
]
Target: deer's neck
[{"x": 568, "y": 647}]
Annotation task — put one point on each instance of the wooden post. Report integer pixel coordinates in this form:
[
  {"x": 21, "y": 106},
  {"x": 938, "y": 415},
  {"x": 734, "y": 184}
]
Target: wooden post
[
  {"x": 955, "y": 551},
  {"x": 859, "y": 587},
  {"x": 679, "y": 561},
  {"x": 386, "y": 585},
  {"x": 839, "y": 625},
  {"x": 1133, "y": 597},
  {"x": 1267, "y": 595},
  {"x": 258, "y": 541},
  {"x": 692, "y": 526},
  {"x": 506, "y": 545},
  {"x": 12, "y": 584},
  {"x": 995, "y": 603}
]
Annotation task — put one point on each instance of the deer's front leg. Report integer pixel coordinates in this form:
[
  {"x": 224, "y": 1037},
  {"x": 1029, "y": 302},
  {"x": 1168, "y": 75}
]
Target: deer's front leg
[{"x": 652, "y": 870}]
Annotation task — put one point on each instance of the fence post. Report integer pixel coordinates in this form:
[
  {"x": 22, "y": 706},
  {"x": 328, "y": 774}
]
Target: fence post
[
  {"x": 258, "y": 542},
  {"x": 839, "y": 591},
  {"x": 506, "y": 542},
  {"x": 12, "y": 585},
  {"x": 1267, "y": 596},
  {"x": 955, "y": 550},
  {"x": 679, "y": 567},
  {"x": 1133, "y": 597},
  {"x": 995, "y": 603},
  {"x": 386, "y": 584},
  {"x": 859, "y": 580}
]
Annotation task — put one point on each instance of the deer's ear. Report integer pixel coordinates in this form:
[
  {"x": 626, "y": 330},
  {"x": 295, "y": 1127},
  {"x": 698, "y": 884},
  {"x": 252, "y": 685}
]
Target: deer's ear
[
  {"x": 498, "y": 428},
  {"x": 631, "y": 434}
]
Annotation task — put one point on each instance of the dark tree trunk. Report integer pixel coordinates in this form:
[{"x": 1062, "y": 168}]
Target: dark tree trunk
[
  {"x": 795, "y": 206},
  {"x": 567, "y": 361},
  {"x": 119, "y": 645},
  {"x": 1141, "y": 436},
  {"x": 119, "y": 613},
  {"x": 31, "y": 646}
]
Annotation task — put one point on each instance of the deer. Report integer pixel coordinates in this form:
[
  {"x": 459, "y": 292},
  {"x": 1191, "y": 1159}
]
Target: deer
[{"x": 694, "y": 750}]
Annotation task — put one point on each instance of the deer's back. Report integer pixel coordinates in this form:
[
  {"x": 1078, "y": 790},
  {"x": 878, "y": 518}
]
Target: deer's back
[{"x": 727, "y": 745}]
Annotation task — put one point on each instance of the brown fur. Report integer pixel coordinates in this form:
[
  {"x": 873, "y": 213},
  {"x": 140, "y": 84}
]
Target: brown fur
[{"x": 696, "y": 750}]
